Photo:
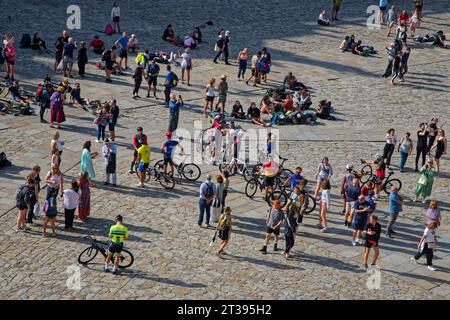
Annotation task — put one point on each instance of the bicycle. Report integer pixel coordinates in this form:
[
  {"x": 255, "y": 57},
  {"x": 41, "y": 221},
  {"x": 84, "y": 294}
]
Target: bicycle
[
  {"x": 257, "y": 182},
  {"x": 153, "y": 173},
  {"x": 283, "y": 195},
  {"x": 189, "y": 171},
  {"x": 282, "y": 172},
  {"x": 126, "y": 258},
  {"x": 367, "y": 175}
]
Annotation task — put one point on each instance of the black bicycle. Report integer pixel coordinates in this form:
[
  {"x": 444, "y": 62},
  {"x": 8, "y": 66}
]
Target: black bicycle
[
  {"x": 152, "y": 173},
  {"x": 367, "y": 175},
  {"x": 282, "y": 171},
  {"x": 190, "y": 171},
  {"x": 126, "y": 258},
  {"x": 257, "y": 182},
  {"x": 283, "y": 195}
]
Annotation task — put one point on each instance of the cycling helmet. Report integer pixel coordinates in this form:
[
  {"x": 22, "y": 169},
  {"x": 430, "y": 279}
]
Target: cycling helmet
[
  {"x": 119, "y": 218},
  {"x": 140, "y": 129},
  {"x": 349, "y": 166},
  {"x": 168, "y": 134},
  {"x": 378, "y": 156}
]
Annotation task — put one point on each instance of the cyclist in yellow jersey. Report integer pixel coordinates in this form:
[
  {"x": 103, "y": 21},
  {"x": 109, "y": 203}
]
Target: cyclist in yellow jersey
[
  {"x": 118, "y": 233},
  {"x": 143, "y": 159}
]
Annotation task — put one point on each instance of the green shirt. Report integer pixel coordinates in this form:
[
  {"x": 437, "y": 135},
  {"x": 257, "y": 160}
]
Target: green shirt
[{"x": 118, "y": 233}]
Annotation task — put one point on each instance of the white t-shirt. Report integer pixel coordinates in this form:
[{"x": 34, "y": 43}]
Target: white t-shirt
[
  {"x": 188, "y": 41},
  {"x": 71, "y": 199},
  {"x": 323, "y": 18},
  {"x": 56, "y": 179},
  {"x": 210, "y": 92},
  {"x": 429, "y": 235},
  {"x": 187, "y": 60},
  {"x": 325, "y": 198},
  {"x": 58, "y": 144}
]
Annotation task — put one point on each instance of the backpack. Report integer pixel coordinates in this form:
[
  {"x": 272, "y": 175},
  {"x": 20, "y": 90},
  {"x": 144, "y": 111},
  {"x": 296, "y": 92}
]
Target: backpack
[
  {"x": 106, "y": 55},
  {"x": 209, "y": 192},
  {"x": 26, "y": 41},
  {"x": 109, "y": 30},
  {"x": 220, "y": 43},
  {"x": 39, "y": 92},
  {"x": 140, "y": 58},
  {"x": 223, "y": 221},
  {"x": 173, "y": 82},
  {"x": 20, "y": 196}
]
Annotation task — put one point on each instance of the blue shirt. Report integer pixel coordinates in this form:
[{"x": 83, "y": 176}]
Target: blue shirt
[
  {"x": 383, "y": 3},
  {"x": 68, "y": 50},
  {"x": 123, "y": 41},
  {"x": 295, "y": 180},
  {"x": 405, "y": 57},
  {"x": 269, "y": 146},
  {"x": 352, "y": 193},
  {"x": 153, "y": 69},
  {"x": 170, "y": 148},
  {"x": 174, "y": 107},
  {"x": 394, "y": 207},
  {"x": 362, "y": 216},
  {"x": 204, "y": 185}
]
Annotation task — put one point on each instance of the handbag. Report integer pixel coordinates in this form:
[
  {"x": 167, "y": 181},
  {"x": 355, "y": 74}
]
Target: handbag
[
  {"x": 97, "y": 120},
  {"x": 422, "y": 181},
  {"x": 60, "y": 66}
]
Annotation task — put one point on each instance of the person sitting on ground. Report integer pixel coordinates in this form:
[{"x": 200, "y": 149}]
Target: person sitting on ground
[
  {"x": 288, "y": 103},
  {"x": 75, "y": 97},
  {"x": 14, "y": 91},
  {"x": 169, "y": 35},
  {"x": 362, "y": 50},
  {"x": 350, "y": 42},
  {"x": 323, "y": 109},
  {"x": 133, "y": 43},
  {"x": 323, "y": 19},
  {"x": 98, "y": 45},
  {"x": 266, "y": 105},
  {"x": 437, "y": 39},
  {"x": 38, "y": 43},
  {"x": 344, "y": 44},
  {"x": 303, "y": 99},
  {"x": 3, "y": 108},
  {"x": 238, "y": 111},
  {"x": 254, "y": 114},
  {"x": 189, "y": 41},
  {"x": 197, "y": 35},
  {"x": 291, "y": 82}
]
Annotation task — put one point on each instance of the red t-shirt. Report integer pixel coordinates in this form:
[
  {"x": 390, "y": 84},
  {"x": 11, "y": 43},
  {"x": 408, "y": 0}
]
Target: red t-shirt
[{"x": 97, "y": 43}]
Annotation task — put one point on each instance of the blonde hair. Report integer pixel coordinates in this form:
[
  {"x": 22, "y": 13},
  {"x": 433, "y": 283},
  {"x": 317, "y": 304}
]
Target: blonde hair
[
  {"x": 433, "y": 204},
  {"x": 56, "y": 135},
  {"x": 212, "y": 81}
]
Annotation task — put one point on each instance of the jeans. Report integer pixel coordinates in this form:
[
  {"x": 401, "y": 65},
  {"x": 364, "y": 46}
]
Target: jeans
[
  {"x": 137, "y": 86},
  {"x": 167, "y": 95},
  {"x": 242, "y": 68},
  {"x": 218, "y": 55},
  {"x": 203, "y": 205},
  {"x": 421, "y": 151},
  {"x": 388, "y": 70},
  {"x": 387, "y": 153},
  {"x": 403, "y": 158},
  {"x": 290, "y": 239},
  {"x": 393, "y": 217},
  {"x": 173, "y": 122},
  {"x": 225, "y": 54},
  {"x": 113, "y": 176},
  {"x": 69, "y": 215},
  {"x": 428, "y": 253},
  {"x": 101, "y": 132}
]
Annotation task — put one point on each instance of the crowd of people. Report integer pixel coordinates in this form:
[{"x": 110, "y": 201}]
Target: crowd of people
[{"x": 359, "y": 199}]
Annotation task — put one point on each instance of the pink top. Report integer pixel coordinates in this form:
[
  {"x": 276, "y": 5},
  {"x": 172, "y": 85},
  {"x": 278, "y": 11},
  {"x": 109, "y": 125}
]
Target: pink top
[
  {"x": 11, "y": 52},
  {"x": 243, "y": 56}
]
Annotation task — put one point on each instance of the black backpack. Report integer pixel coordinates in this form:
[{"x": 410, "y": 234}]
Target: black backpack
[
  {"x": 26, "y": 41},
  {"x": 209, "y": 192},
  {"x": 21, "y": 196},
  {"x": 220, "y": 43}
]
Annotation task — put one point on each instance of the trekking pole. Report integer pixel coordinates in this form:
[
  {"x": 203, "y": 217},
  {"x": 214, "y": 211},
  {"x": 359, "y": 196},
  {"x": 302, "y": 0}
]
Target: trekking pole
[{"x": 212, "y": 242}]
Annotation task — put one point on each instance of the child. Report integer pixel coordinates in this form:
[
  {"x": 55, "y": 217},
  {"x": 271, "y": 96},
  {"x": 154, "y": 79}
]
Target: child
[
  {"x": 71, "y": 202},
  {"x": 224, "y": 229},
  {"x": 324, "y": 205},
  {"x": 426, "y": 245},
  {"x": 50, "y": 212}
]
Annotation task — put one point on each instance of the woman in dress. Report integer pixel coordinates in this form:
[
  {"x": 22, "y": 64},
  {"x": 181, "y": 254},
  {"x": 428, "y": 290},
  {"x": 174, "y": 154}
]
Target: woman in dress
[
  {"x": 425, "y": 183},
  {"x": 86, "y": 161},
  {"x": 56, "y": 108},
  {"x": 440, "y": 144},
  {"x": 324, "y": 173},
  {"x": 84, "y": 205}
]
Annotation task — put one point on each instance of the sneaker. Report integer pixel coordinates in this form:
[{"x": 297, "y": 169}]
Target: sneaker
[
  {"x": 105, "y": 269},
  {"x": 353, "y": 243},
  {"x": 130, "y": 171},
  {"x": 97, "y": 141},
  {"x": 105, "y": 183},
  {"x": 18, "y": 229},
  {"x": 26, "y": 228},
  {"x": 263, "y": 250},
  {"x": 140, "y": 185},
  {"x": 431, "y": 268},
  {"x": 208, "y": 225},
  {"x": 424, "y": 201},
  {"x": 402, "y": 80},
  {"x": 275, "y": 247},
  {"x": 324, "y": 229},
  {"x": 413, "y": 259},
  {"x": 115, "y": 272}
]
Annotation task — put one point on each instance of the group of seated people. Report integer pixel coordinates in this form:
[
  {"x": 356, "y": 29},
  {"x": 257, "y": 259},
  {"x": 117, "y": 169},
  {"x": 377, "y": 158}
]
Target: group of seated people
[
  {"x": 191, "y": 41},
  {"x": 356, "y": 47}
]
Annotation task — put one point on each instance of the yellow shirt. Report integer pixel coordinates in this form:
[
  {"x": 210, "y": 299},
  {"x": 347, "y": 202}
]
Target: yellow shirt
[{"x": 144, "y": 152}]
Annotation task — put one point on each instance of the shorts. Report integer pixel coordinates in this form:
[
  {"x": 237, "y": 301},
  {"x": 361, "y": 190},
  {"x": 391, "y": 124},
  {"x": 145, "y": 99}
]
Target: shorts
[
  {"x": 359, "y": 224},
  {"x": 143, "y": 166},
  {"x": 13, "y": 62},
  {"x": 350, "y": 206},
  {"x": 167, "y": 160},
  {"x": 115, "y": 249},
  {"x": 222, "y": 97},
  {"x": 21, "y": 207},
  {"x": 253, "y": 71},
  {"x": 269, "y": 181},
  {"x": 111, "y": 126},
  {"x": 209, "y": 98},
  {"x": 116, "y": 19},
  {"x": 51, "y": 215},
  {"x": 123, "y": 54},
  {"x": 58, "y": 56},
  {"x": 274, "y": 231},
  {"x": 371, "y": 245},
  {"x": 152, "y": 81},
  {"x": 224, "y": 234},
  {"x": 109, "y": 66},
  {"x": 67, "y": 62}
]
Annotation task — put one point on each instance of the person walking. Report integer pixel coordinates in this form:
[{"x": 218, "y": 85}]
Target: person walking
[
  {"x": 174, "y": 112},
  {"x": 396, "y": 66},
  {"x": 405, "y": 147},
  {"x": 71, "y": 199},
  {"x": 137, "y": 143},
  {"x": 223, "y": 90},
  {"x": 351, "y": 195},
  {"x": 209, "y": 99},
  {"x": 336, "y": 7},
  {"x": 114, "y": 112},
  {"x": 224, "y": 228},
  {"x": 391, "y": 53},
  {"x": 391, "y": 19},
  {"x": 169, "y": 84},
  {"x": 220, "y": 46},
  {"x": 324, "y": 173},
  {"x": 86, "y": 161},
  {"x": 139, "y": 74},
  {"x": 255, "y": 69},
  {"x": 84, "y": 205},
  {"x": 434, "y": 213},
  {"x": 373, "y": 233},
  {"x": 207, "y": 193},
  {"x": 115, "y": 17},
  {"x": 324, "y": 205},
  {"x": 68, "y": 50},
  {"x": 274, "y": 220},
  {"x": 440, "y": 144},
  {"x": 24, "y": 197},
  {"x": 421, "y": 148},
  {"x": 152, "y": 75},
  {"x": 395, "y": 207},
  {"x": 143, "y": 160},
  {"x": 109, "y": 151},
  {"x": 82, "y": 59},
  {"x": 226, "y": 185},
  {"x": 424, "y": 185},
  {"x": 186, "y": 65},
  {"x": 426, "y": 245},
  {"x": 404, "y": 63},
  {"x": 56, "y": 108},
  {"x": 242, "y": 58},
  {"x": 290, "y": 228},
  {"x": 389, "y": 147}
]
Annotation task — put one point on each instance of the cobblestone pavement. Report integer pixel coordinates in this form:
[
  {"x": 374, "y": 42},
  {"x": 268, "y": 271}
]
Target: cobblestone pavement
[{"x": 171, "y": 262}]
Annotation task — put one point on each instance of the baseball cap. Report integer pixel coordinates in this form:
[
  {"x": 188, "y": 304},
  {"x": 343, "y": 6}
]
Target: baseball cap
[
  {"x": 349, "y": 166},
  {"x": 140, "y": 129}
]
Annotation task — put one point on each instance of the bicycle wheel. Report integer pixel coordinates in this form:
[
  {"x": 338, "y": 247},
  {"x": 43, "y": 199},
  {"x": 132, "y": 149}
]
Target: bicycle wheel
[
  {"x": 166, "y": 180},
  {"x": 285, "y": 173},
  {"x": 392, "y": 183},
  {"x": 251, "y": 188},
  {"x": 278, "y": 195},
  {"x": 248, "y": 175},
  {"x": 311, "y": 204},
  {"x": 87, "y": 255},
  {"x": 159, "y": 165},
  {"x": 126, "y": 259},
  {"x": 366, "y": 173},
  {"x": 191, "y": 172}
]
